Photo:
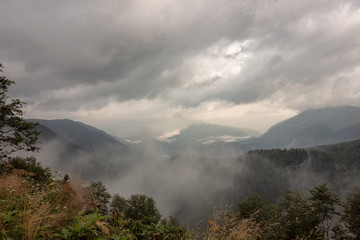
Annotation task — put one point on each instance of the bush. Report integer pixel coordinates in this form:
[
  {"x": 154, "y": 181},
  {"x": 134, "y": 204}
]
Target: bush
[{"x": 40, "y": 174}]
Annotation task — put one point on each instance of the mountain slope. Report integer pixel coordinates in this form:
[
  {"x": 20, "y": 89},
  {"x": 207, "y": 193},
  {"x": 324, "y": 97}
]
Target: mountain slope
[
  {"x": 209, "y": 139},
  {"x": 206, "y": 133},
  {"x": 272, "y": 171},
  {"x": 63, "y": 151},
  {"x": 82, "y": 150},
  {"x": 314, "y": 127},
  {"x": 87, "y": 137},
  {"x": 47, "y": 135},
  {"x": 349, "y": 133},
  {"x": 202, "y": 132}
]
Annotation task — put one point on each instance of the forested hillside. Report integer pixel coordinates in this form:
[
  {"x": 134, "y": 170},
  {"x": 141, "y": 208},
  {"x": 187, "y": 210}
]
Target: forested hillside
[
  {"x": 273, "y": 171},
  {"x": 313, "y": 127},
  {"x": 34, "y": 205}
]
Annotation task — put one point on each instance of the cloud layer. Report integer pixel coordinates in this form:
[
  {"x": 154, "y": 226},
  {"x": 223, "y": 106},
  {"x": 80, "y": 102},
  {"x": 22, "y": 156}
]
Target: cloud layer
[{"x": 163, "y": 61}]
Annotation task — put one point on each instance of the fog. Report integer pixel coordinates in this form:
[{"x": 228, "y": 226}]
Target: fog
[
  {"x": 186, "y": 186},
  {"x": 191, "y": 184}
]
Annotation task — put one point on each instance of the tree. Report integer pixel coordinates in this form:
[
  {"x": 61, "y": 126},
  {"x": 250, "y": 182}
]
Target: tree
[
  {"x": 142, "y": 207},
  {"x": 99, "y": 197},
  {"x": 15, "y": 132},
  {"x": 297, "y": 220},
  {"x": 118, "y": 204},
  {"x": 255, "y": 207},
  {"x": 340, "y": 233},
  {"x": 252, "y": 204},
  {"x": 324, "y": 203},
  {"x": 351, "y": 214},
  {"x": 41, "y": 175}
]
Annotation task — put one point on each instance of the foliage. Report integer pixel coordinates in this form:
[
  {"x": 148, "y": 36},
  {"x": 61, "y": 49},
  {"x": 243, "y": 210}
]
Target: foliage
[
  {"x": 99, "y": 198},
  {"x": 142, "y": 219},
  {"x": 283, "y": 157},
  {"x": 161, "y": 231},
  {"x": 340, "y": 233},
  {"x": 118, "y": 204},
  {"x": 271, "y": 172},
  {"x": 15, "y": 132},
  {"x": 56, "y": 212},
  {"x": 29, "y": 211},
  {"x": 85, "y": 227},
  {"x": 351, "y": 214},
  {"x": 254, "y": 206},
  {"x": 296, "y": 217},
  {"x": 330, "y": 159},
  {"x": 324, "y": 203},
  {"x": 142, "y": 207},
  {"x": 40, "y": 174},
  {"x": 224, "y": 225}
]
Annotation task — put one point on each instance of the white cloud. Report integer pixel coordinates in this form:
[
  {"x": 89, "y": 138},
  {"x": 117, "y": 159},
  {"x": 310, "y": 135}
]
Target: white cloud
[{"x": 166, "y": 135}]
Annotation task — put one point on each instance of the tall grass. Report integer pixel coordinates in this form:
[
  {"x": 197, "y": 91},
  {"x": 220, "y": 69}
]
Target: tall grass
[
  {"x": 30, "y": 210},
  {"x": 225, "y": 226}
]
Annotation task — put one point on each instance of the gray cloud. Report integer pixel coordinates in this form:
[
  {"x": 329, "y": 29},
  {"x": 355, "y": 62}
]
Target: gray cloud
[{"x": 71, "y": 56}]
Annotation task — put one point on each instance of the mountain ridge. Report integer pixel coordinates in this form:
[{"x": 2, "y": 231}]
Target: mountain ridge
[
  {"x": 308, "y": 128},
  {"x": 87, "y": 137},
  {"x": 314, "y": 127}
]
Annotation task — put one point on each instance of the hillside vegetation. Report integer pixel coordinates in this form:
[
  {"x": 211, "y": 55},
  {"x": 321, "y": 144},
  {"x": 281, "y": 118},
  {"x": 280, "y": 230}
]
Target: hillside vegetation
[{"x": 34, "y": 205}]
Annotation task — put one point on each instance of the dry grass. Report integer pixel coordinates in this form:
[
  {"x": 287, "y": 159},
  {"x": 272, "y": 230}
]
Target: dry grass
[
  {"x": 223, "y": 225},
  {"x": 37, "y": 210}
]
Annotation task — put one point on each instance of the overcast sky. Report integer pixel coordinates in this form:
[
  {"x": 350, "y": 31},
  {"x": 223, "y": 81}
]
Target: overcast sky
[{"x": 125, "y": 66}]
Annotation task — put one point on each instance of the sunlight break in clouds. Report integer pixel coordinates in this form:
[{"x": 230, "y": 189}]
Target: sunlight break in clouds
[
  {"x": 165, "y": 136},
  {"x": 209, "y": 73}
]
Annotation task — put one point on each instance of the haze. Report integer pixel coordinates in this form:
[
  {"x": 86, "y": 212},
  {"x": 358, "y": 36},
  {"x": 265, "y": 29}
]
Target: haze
[{"x": 126, "y": 66}]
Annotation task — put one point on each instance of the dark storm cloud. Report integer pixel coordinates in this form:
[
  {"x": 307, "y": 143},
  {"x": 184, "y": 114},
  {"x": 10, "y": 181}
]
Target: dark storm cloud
[
  {"x": 302, "y": 45},
  {"x": 68, "y": 54},
  {"x": 88, "y": 43}
]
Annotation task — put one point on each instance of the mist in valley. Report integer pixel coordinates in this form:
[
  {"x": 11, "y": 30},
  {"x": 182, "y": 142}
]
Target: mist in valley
[{"x": 191, "y": 184}]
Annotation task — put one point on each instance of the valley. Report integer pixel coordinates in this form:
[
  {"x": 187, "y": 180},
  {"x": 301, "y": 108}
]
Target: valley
[{"x": 209, "y": 165}]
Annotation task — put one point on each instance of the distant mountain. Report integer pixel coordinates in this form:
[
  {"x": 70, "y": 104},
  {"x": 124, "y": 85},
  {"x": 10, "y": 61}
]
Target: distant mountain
[
  {"x": 309, "y": 128},
  {"x": 64, "y": 150},
  {"x": 313, "y": 127},
  {"x": 209, "y": 133},
  {"x": 47, "y": 135},
  {"x": 348, "y": 133},
  {"x": 206, "y": 138},
  {"x": 86, "y": 137},
  {"x": 82, "y": 150}
]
